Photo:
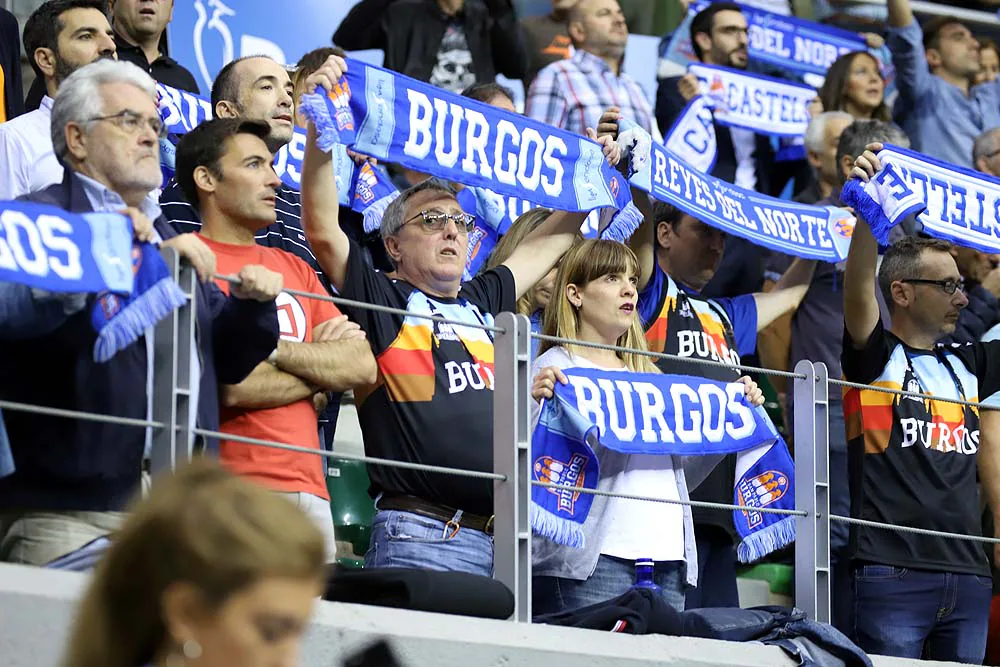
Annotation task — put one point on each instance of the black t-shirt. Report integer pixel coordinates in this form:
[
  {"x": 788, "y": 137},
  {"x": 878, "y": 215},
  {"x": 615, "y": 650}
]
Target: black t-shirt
[
  {"x": 913, "y": 461},
  {"x": 433, "y": 400}
]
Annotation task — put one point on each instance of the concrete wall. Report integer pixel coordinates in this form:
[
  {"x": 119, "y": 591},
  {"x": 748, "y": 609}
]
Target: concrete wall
[{"x": 36, "y": 608}]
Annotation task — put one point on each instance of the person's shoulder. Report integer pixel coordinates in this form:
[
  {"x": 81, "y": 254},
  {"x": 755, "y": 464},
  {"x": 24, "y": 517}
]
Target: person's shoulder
[
  {"x": 27, "y": 126},
  {"x": 554, "y": 356}
]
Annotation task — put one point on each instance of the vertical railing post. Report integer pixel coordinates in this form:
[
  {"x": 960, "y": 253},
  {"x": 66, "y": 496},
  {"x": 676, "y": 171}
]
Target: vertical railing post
[
  {"x": 174, "y": 348},
  {"x": 812, "y": 491},
  {"x": 512, "y": 458}
]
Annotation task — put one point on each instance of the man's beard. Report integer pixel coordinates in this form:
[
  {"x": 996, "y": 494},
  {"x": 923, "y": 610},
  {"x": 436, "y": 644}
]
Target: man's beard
[{"x": 64, "y": 68}]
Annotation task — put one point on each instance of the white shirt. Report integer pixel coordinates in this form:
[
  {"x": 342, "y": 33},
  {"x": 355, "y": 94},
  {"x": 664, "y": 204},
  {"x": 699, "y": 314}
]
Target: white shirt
[
  {"x": 27, "y": 162},
  {"x": 635, "y": 528},
  {"x": 744, "y": 145}
]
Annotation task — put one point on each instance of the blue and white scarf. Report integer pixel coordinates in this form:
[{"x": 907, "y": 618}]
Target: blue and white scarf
[
  {"x": 692, "y": 136},
  {"x": 812, "y": 232},
  {"x": 48, "y": 248},
  {"x": 951, "y": 202},
  {"x": 651, "y": 413},
  {"x": 404, "y": 121},
  {"x": 364, "y": 189},
  {"x": 754, "y": 102}
]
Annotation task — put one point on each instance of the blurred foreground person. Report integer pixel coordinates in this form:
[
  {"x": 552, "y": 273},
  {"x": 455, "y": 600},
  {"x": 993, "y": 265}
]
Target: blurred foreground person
[{"x": 209, "y": 571}]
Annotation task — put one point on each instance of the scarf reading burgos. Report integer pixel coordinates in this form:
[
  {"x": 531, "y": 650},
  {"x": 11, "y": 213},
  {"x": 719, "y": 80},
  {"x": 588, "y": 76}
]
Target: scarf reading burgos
[
  {"x": 812, "y": 232},
  {"x": 401, "y": 120},
  {"x": 51, "y": 249},
  {"x": 651, "y": 413},
  {"x": 951, "y": 202}
]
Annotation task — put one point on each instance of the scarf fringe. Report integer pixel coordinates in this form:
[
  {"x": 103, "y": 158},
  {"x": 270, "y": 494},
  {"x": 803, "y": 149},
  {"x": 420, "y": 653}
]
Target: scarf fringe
[
  {"x": 855, "y": 196},
  {"x": 767, "y": 540},
  {"x": 374, "y": 213},
  {"x": 132, "y": 321},
  {"x": 313, "y": 107},
  {"x": 623, "y": 224},
  {"x": 561, "y": 531}
]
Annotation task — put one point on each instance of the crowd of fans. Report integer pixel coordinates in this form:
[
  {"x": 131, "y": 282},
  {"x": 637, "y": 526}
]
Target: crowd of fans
[{"x": 272, "y": 365}]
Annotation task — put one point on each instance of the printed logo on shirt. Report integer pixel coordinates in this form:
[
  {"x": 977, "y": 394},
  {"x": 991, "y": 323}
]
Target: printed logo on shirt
[
  {"x": 761, "y": 491},
  {"x": 685, "y": 310},
  {"x": 563, "y": 473},
  {"x": 291, "y": 318},
  {"x": 913, "y": 386},
  {"x": 468, "y": 375}
]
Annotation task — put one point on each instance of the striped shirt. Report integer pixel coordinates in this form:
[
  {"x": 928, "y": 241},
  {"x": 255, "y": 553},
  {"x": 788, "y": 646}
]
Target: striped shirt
[
  {"x": 286, "y": 233},
  {"x": 573, "y": 93}
]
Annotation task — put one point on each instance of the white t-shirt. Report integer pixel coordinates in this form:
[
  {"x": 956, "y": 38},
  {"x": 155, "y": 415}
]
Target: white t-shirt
[{"x": 635, "y": 528}]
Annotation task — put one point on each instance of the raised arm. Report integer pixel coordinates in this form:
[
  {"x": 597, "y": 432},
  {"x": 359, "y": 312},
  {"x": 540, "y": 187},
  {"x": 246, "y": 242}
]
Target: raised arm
[
  {"x": 643, "y": 240},
  {"x": 900, "y": 13},
  {"x": 320, "y": 204},
  {"x": 787, "y": 293},
  {"x": 860, "y": 307},
  {"x": 989, "y": 467}
]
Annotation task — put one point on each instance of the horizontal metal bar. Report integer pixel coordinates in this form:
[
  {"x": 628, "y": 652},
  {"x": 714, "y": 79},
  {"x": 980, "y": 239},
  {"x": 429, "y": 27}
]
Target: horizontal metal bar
[
  {"x": 669, "y": 501},
  {"x": 912, "y": 394},
  {"x": 340, "y": 301},
  {"x": 661, "y": 355},
  {"x": 76, "y": 414},
  {"x": 349, "y": 457},
  {"x": 940, "y": 9},
  {"x": 918, "y": 531}
]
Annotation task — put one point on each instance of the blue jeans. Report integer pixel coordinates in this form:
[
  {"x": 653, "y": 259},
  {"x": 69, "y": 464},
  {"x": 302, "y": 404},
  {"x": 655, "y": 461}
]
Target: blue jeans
[
  {"x": 920, "y": 614},
  {"x": 612, "y": 577},
  {"x": 405, "y": 539}
]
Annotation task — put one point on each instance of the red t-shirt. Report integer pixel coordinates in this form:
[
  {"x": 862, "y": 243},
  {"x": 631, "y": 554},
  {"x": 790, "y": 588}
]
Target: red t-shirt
[{"x": 296, "y": 423}]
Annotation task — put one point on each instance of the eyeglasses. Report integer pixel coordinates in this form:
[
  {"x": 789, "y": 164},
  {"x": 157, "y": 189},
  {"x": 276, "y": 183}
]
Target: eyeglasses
[
  {"x": 132, "y": 122},
  {"x": 948, "y": 285},
  {"x": 435, "y": 221}
]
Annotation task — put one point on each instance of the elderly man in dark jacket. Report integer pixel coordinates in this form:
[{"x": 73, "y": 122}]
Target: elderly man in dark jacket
[{"x": 73, "y": 477}]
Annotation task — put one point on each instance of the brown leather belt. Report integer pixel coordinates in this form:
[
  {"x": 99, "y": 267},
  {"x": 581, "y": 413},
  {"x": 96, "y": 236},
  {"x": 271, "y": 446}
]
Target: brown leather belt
[{"x": 431, "y": 510}]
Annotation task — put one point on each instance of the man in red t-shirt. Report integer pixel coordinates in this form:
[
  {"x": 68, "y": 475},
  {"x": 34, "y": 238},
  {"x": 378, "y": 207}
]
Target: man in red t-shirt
[{"x": 224, "y": 168}]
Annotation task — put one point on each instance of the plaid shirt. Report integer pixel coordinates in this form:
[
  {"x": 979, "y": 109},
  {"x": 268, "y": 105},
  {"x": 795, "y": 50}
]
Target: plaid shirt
[{"x": 573, "y": 93}]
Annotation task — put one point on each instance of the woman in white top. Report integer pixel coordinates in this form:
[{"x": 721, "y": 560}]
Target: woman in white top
[{"x": 594, "y": 300}]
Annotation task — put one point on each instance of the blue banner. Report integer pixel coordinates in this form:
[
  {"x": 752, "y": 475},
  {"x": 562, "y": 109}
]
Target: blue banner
[
  {"x": 49, "y": 248},
  {"x": 812, "y": 232},
  {"x": 692, "y": 136}
]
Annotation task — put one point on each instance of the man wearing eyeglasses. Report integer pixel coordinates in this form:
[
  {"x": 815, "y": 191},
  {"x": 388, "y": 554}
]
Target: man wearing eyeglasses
[
  {"x": 59, "y": 37},
  {"x": 73, "y": 477},
  {"x": 433, "y": 400},
  {"x": 914, "y": 460}
]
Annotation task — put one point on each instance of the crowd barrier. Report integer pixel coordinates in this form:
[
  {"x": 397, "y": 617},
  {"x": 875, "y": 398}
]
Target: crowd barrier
[{"x": 173, "y": 427}]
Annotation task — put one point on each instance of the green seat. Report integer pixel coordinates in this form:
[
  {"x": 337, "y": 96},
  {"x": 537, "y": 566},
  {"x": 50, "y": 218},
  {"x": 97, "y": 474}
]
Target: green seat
[
  {"x": 351, "y": 563},
  {"x": 779, "y": 578},
  {"x": 352, "y": 508}
]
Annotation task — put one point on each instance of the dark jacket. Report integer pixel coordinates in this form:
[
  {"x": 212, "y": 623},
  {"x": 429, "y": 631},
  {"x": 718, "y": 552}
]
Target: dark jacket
[
  {"x": 10, "y": 67},
  {"x": 72, "y": 464},
  {"x": 410, "y": 33},
  {"x": 977, "y": 318},
  {"x": 669, "y": 105}
]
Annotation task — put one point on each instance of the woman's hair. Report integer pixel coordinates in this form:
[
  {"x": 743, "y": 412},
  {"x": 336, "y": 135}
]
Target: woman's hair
[
  {"x": 203, "y": 526},
  {"x": 834, "y": 90},
  {"x": 584, "y": 262},
  {"x": 505, "y": 247}
]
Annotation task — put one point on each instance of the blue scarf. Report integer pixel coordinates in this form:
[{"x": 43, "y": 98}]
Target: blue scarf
[
  {"x": 952, "y": 202},
  {"x": 6, "y": 456},
  {"x": 60, "y": 251},
  {"x": 652, "y": 413},
  {"x": 422, "y": 127},
  {"x": 367, "y": 190},
  {"x": 812, "y": 232},
  {"x": 692, "y": 136}
]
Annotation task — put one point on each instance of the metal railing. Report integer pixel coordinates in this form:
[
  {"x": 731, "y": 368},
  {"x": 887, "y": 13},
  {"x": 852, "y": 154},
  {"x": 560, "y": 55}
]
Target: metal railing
[{"x": 173, "y": 430}]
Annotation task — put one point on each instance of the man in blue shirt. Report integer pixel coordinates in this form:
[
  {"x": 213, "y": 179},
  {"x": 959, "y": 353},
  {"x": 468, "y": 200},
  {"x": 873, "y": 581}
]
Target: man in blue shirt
[{"x": 938, "y": 107}]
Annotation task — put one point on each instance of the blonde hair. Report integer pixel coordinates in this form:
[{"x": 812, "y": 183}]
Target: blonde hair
[
  {"x": 583, "y": 263},
  {"x": 505, "y": 247},
  {"x": 203, "y": 526}
]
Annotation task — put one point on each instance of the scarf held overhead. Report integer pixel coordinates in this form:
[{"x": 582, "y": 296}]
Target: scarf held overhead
[
  {"x": 652, "y": 413},
  {"x": 812, "y": 232},
  {"x": 951, "y": 202},
  {"x": 404, "y": 121},
  {"x": 48, "y": 248}
]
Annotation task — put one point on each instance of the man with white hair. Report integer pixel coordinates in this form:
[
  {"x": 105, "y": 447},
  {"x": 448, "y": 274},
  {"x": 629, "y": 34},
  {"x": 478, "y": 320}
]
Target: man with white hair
[
  {"x": 821, "y": 139},
  {"x": 73, "y": 477}
]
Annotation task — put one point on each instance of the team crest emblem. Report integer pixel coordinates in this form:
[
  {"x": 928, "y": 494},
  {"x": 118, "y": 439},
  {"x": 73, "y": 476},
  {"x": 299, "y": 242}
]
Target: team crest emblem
[
  {"x": 366, "y": 181},
  {"x": 844, "y": 227},
  {"x": 760, "y": 491},
  {"x": 341, "y": 97},
  {"x": 548, "y": 469},
  {"x": 717, "y": 93}
]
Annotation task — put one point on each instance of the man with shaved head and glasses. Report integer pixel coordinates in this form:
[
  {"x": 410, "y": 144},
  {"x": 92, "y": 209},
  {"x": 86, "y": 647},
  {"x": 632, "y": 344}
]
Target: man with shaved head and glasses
[
  {"x": 914, "y": 460},
  {"x": 432, "y": 402}
]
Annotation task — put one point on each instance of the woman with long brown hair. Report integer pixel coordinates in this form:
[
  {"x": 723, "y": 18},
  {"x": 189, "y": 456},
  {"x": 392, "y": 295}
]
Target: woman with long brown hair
[
  {"x": 854, "y": 84},
  {"x": 595, "y": 301},
  {"x": 208, "y": 571}
]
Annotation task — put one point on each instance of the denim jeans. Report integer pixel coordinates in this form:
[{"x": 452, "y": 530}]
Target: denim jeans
[
  {"x": 920, "y": 614},
  {"x": 612, "y": 577},
  {"x": 405, "y": 539}
]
